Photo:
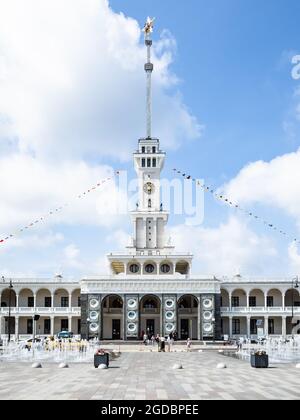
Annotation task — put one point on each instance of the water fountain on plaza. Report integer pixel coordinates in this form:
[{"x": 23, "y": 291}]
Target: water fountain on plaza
[
  {"x": 49, "y": 351},
  {"x": 279, "y": 350}
]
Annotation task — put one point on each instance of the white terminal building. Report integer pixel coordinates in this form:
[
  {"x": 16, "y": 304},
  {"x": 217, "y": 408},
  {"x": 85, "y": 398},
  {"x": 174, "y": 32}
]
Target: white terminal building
[{"x": 151, "y": 287}]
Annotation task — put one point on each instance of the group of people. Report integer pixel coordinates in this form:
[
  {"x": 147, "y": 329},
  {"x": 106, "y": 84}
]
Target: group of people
[{"x": 163, "y": 343}]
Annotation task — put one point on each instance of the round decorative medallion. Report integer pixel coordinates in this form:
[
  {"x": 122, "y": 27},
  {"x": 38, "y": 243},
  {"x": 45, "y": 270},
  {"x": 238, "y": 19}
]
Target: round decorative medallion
[
  {"x": 208, "y": 328},
  {"x": 132, "y": 328},
  {"x": 170, "y": 304},
  {"x": 132, "y": 315},
  {"x": 207, "y": 315},
  {"x": 94, "y": 328},
  {"x": 170, "y": 315},
  {"x": 170, "y": 328},
  {"x": 94, "y": 304},
  {"x": 94, "y": 316},
  {"x": 207, "y": 303},
  {"x": 132, "y": 304}
]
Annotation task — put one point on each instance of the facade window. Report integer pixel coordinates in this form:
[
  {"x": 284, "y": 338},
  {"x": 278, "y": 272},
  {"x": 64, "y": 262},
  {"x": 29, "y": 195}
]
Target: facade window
[
  {"x": 64, "y": 325},
  {"x": 153, "y": 149},
  {"x": 79, "y": 301},
  {"x": 154, "y": 163},
  {"x": 47, "y": 326},
  {"x": 148, "y": 163},
  {"x": 236, "y": 326},
  {"x": 143, "y": 163},
  {"x": 149, "y": 204},
  {"x": 235, "y": 301},
  {"x": 78, "y": 326},
  {"x": 270, "y": 301},
  {"x": 165, "y": 268},
  {"x": 64, "y": 302},
  {"x": 30, "y": 302},
  {"x": 143, "y": 149},
  {"x": 134, "y": 268},
  {"x": 252, "y": 301},
  {"x": 271, "y": 327},
  {"x": 48, "y": 302},
  {"x": 29, "y": 326},
  {"x": 149, "y": 268},
  {"x": 221, "y": 302}
]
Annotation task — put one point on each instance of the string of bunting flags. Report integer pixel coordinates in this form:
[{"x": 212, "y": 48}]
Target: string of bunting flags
[
  {"x": 211, "y": 190},
  {"x": 56, "y": 210}
]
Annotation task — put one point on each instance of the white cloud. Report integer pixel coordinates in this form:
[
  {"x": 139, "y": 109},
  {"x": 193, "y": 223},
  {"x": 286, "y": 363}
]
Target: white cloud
[
  {"x": 31, "y": 188},
  {"x": 273, "y": 184},
  {"x": 228, "y": 249},
  {"x": 72, "y": 257},
  {"x": 72, "y": 82},
  {"x": 294, "y": 257}
]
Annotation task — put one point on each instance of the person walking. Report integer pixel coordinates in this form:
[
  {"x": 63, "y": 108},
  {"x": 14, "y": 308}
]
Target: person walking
[{"x": 189, "y": 344}]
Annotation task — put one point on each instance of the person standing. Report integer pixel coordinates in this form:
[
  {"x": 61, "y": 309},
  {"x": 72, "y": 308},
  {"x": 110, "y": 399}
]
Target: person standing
[{"x": 189, "y": 344}]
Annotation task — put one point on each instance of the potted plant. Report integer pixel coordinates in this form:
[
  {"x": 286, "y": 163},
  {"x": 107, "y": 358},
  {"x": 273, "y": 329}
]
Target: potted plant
[
  {"x": 101, "y": 357},
  {"x": 260, "y": 360}
]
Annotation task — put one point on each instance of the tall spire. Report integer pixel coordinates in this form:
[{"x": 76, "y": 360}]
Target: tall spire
[{"x": 148, "y": 29}]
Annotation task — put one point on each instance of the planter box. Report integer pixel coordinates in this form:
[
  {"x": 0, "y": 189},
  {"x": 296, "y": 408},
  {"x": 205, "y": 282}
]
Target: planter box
[
  {"x": 101, "y": 360},
  {"x": 260, "y": 362}
]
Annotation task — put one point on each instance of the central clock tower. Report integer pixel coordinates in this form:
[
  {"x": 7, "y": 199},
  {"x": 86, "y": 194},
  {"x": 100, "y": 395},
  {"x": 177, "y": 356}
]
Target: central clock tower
[{"x": 149, "y": 219}]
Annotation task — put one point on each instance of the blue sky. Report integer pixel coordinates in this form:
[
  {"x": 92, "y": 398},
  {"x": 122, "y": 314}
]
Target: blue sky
[{"x": 233, "y": 65}]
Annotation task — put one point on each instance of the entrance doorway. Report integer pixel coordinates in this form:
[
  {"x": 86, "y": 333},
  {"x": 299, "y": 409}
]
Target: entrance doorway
[
  {"x": 116, "y": 329},
  {"x": 150, "y": 326},
  {"x": 184, "y": 329}
]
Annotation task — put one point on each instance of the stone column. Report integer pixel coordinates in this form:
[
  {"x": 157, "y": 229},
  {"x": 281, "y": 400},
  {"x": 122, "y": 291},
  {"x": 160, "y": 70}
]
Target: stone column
[
  {"x": 283, "y": 301},
  {"x": 199, "y": 318},
  {"x": 284, "y": 326},
  {"x": 266, "y": 326},
  {"x": 16, "y": 328},
  {"x": 52, "y": 300},
  {"x": 17, "y": 301},
  {"x": 0, "y": 326},
  {"x": 70, "y": 323},
  {"x": 248, "y": 326},
  {"x": 34, "y": 301},
  {"x": 248, "y": 298},
  {"x": 52, "y": 326},
  {"x": 70, "y": 301},
  {"x": 230, "y": 326},
  {"x": 230, "y": 300},
  {"x": 266, "y": 300},
  {"x": 123, "y": 331}
]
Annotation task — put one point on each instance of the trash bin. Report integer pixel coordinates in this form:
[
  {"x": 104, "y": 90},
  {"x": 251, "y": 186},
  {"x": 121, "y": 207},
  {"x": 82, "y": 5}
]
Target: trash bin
[
  {"x": 260, "y": 361},
  {"x": 101, "y": 359}
]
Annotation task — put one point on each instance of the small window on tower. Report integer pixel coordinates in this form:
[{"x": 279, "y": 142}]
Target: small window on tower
[
  {"x": 153, "y": 149},
  {"x": 154, "y": 163},
  {"x": 143, "y": 163},
  {"x": 148, "y": 163},
  {"x": 149, "y": 204},
  {"x": 143, "y": 149}
]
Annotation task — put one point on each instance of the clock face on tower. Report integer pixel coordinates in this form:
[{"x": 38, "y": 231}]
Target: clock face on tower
[{"x": 149, "y": 188}]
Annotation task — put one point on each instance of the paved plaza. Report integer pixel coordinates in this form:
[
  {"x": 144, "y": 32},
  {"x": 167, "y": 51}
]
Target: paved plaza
[{"x": 149, "y": 376}]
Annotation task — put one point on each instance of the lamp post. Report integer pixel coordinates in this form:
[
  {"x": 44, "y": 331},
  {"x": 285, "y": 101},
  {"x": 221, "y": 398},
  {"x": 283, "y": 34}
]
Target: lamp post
[{"x": 9, "y": 308}]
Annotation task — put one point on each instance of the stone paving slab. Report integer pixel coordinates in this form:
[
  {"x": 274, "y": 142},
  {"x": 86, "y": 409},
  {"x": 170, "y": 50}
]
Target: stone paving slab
[{"x": 149, "y": 376}]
